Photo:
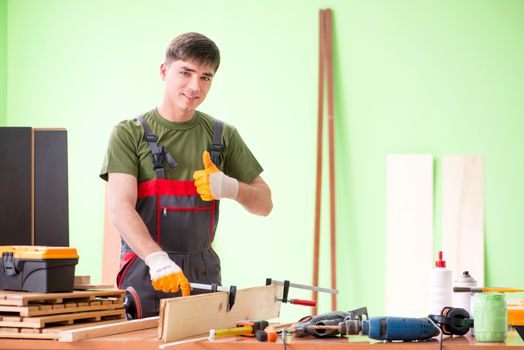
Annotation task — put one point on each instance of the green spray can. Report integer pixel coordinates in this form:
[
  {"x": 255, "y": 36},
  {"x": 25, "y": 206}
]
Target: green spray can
[{"x": 491, "y": 317}]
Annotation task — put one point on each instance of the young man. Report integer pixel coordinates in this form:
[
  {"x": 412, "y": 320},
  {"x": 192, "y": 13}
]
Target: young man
[{"x": 167, "y": 170}]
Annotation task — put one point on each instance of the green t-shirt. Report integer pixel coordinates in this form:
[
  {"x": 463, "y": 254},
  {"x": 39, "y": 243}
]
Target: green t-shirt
[{"x": 129, "y": 153}]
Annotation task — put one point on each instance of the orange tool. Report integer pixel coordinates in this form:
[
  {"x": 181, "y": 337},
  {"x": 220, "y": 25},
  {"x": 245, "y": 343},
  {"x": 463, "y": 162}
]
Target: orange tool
[
  {"x": 486, "y": 289},
  {"x": 516, "y": 316},
  {"x": 268, "y": 334}
]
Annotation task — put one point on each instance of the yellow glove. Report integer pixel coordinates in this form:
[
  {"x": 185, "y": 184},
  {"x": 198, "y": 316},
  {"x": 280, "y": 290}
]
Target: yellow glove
[
  {"x": 202, "y": 177},
  {"x": 166, "y": 275},
  {"x": 211, "y": 183},
  {"x": 173, "y": 283}
]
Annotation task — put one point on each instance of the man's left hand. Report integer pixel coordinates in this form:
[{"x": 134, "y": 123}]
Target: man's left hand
[{"x": 211, "y": 183}]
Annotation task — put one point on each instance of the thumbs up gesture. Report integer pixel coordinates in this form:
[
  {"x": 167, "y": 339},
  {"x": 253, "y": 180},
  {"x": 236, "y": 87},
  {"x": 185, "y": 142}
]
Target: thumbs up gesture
[{"x": 211, "y": 183}]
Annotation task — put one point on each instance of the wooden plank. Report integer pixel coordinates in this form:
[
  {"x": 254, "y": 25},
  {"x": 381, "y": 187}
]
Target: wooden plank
[
  {"x": 25, "y": 298},
  {"x": 331, "y": 144},
  {"x": 9, "y": 330},
  {"x": 92, "y": 286},
  {"x": 409, "y": 234},
  {"x": 61, "y": 308},
  {"x": 41, "y": 321},
  {"x": 82, "y": 280},
  {"x": 30, "y": 330},
  {"x": 27, "y": 335},
  {"x": 463, "y": 215},
  {"x": 11, "y": 319},
  {"x": 61, "y": 328},
  {"x": 194, "y": 315},
  {"x": 103, "y": 330},
  {"x": 52, "y": 332},
  {"x": 320, "y": 134}
]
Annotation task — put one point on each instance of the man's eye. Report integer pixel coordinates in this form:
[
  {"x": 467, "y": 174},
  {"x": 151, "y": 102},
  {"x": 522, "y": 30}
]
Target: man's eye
[
  {"x": 184, "y": 73},
  {"x": 206, "y": 78}
]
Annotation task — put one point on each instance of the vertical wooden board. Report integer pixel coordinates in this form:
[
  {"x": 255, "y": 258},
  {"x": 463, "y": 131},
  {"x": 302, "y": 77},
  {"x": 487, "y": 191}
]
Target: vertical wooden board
[
  {"x": 111, "y": 250},
  {"x": 51, "y": 188},
  {"x": 15, "y": 186},
  {"x": 409, "y": 234},
  {"x": 463, "y": 215},
  {"x": 195, "y": 315}
]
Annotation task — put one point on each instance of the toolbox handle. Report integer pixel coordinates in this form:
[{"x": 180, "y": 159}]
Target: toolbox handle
[{"x": 8, "y": 263}]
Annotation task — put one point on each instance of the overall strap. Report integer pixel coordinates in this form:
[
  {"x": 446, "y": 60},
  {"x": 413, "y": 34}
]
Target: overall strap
[
  {"x": 216, "y": 148},
  {"x": 159, "y": 153}
]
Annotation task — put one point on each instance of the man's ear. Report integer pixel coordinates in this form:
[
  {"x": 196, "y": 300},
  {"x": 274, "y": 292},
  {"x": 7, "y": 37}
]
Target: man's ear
[{"x": 163, "y": 71}]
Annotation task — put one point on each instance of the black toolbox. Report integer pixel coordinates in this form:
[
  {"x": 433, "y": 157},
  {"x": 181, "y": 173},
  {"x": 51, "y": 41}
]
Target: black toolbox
[{"x": 37, "y": 269}]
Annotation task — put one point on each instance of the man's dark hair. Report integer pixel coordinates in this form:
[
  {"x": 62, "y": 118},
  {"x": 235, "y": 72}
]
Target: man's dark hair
[{"x": 193, "y": 47}]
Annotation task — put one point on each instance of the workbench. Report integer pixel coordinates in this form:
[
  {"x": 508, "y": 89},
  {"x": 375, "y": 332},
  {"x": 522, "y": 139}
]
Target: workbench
[{"x": 147, "y": 340}]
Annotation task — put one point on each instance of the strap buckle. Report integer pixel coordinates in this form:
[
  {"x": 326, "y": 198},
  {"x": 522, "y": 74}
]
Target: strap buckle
[
  {"x": 158, "y": 160},
  {"x": 215, "y": 153},
  {"x": 150, "y": 138}
]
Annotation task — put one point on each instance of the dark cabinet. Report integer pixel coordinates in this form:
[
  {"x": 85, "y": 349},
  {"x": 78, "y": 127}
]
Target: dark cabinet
[{"x": 33, "y": 187}]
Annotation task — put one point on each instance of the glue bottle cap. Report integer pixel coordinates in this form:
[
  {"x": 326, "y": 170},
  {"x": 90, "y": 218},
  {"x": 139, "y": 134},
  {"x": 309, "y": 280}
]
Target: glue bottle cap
[{"x": 440, "y": 263}]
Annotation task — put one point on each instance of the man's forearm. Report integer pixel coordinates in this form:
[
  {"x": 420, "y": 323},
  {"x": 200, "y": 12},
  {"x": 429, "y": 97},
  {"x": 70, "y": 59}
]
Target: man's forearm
[
  {"x": 255, "y": 197},
  {"x": 134, "y": 231}
]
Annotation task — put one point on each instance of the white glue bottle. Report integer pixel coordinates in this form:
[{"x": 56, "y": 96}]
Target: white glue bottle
[
  {"x": 439, "y": 287},
  {"x": 463, "y": 300}
]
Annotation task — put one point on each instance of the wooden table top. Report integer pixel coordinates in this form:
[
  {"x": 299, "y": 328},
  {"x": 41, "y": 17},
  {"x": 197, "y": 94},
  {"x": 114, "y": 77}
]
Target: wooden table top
[{"x": 147, "y": 340}]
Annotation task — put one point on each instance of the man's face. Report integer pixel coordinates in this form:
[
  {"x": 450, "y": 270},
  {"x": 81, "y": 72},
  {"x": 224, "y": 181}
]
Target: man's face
[{"x": 186, "y": 83}]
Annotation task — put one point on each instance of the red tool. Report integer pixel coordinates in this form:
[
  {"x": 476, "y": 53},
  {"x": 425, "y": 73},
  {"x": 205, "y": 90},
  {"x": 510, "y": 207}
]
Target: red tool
[
  {"x": 303, "y": 302},
  {"x": 288, "y": 284}
]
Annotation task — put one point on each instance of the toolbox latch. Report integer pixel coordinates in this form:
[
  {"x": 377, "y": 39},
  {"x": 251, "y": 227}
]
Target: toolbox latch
[{"x": 8, "y": 263}]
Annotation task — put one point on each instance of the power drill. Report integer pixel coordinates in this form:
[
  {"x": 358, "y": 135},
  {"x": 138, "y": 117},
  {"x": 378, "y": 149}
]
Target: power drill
[
  {"x": 453, "y": 321},
  {"x": 391, "y": 328}
]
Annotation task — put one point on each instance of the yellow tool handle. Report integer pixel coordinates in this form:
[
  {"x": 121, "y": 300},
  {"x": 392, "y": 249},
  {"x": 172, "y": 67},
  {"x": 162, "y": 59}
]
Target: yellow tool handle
[
  {"x": 226, "y": 332},
  {"x": 502, "y": 290}
]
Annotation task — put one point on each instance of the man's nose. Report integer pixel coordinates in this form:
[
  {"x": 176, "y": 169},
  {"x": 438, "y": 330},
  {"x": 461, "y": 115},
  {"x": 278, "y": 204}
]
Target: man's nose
[{"x": 193, "y": 84}]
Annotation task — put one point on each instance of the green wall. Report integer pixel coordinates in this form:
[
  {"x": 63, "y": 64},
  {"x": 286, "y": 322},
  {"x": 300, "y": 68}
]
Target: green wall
[
  {"x": 3, "y": 61},
  {"x": 440, "y": 77}
]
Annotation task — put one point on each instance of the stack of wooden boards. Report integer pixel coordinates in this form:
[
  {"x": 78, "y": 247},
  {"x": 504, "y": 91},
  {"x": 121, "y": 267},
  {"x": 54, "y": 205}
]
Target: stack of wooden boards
[{"x": 45, "y": 315}]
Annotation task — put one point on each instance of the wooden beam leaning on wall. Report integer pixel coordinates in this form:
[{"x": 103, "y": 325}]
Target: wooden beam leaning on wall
[
  {"x": 195, "y": 315},
  {"x": 325, "y": 73}
]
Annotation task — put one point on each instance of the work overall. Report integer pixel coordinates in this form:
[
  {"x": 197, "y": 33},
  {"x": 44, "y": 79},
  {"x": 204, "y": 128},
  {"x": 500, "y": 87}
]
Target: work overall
[{"x": 180, "y": 222}]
